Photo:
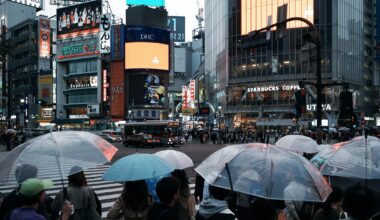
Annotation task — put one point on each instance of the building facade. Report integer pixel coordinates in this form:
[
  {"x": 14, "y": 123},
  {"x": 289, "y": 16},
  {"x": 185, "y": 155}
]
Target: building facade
[{"x": 256, "y": 86}]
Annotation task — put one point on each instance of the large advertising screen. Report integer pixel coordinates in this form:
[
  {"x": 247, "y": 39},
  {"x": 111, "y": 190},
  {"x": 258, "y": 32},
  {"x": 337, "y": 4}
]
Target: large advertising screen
[
  {"x": 79, "y": 20},
  {"x": 159, "y": 3},
  {"x": 255, "y": 13},
  {"x": 146, "y": 55},
  {"x": 154, "y": 90},
  {"x": 44, "y": 38},
  {"x": 146, "y": 34}
]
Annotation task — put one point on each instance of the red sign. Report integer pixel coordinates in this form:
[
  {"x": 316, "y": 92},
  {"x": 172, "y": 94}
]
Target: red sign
[
  {"x": 105, "y": 85},
  {"x": 185, "y": 99},
  {"x": 192, "y": 90}
]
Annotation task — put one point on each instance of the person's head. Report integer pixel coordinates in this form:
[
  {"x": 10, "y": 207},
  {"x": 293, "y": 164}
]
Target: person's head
[
  {"x": 218, "y": 193},
  {"x": 167, "y": 190},
  {"x": 262, "y": 209},
  {"x": 334, "y": 201},
  {"x": 182, "y": 178},
  {"x": 33, "y": 190},
  {"x": 358, "y": 202},
  {"x": 77, "y": 177},
  {"x": 24, "y": 172},
  {"x": 135, "y": 195}
]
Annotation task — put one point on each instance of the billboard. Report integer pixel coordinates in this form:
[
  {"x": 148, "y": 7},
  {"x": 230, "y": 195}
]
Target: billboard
[
  {"x": 117, "y": 89},
  {"x": 146, "y": 34},
  {"x": 157, "y": 3},
  {"x": 176, "y": 26},
  {"x": 105, "y": 34},
  {"x": 255, "y": 13},
  {"x": 79, "y": 20},
  {"x": 44, "y": 38},
  {"x": 147, "y": 16},
  {"x": 154, "y": 90},
  {"x": 144, "y": 55},
  {"x": 78, "y": 49},
  {"x": 117, "y": 42}
]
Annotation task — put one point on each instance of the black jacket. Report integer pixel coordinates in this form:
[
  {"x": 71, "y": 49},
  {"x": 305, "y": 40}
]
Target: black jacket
[
  {"x": 161, "y": 211},
  {"x": 217, "y": 216}
]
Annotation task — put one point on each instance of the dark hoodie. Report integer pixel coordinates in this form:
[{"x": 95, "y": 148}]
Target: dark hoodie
[{"x": 213, "y": 209}]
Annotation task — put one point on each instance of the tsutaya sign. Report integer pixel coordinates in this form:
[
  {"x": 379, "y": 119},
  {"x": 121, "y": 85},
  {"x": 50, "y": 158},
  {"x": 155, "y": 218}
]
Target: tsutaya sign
[
  {"x": 273, "y": 88},
  {"x": 313, "y": 107}
]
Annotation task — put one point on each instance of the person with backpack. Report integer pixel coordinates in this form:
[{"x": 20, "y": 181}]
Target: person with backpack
[
  {"x": 86, "y": 203},
  {"x": 167, "y": 190}
]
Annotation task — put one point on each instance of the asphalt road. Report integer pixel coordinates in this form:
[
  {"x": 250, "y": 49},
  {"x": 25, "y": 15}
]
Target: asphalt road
[{"x": 196, "y": 151}]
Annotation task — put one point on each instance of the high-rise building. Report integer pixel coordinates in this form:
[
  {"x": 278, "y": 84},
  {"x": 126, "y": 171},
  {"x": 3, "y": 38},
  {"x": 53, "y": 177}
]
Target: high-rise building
[{"x": 256, "y": 86}]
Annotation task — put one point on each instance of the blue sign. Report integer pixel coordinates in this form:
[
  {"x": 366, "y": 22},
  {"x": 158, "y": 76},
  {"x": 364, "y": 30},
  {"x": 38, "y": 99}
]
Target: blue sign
[
  {"x": 157, "y": 3},
  {"x": 117, "y": 42},
  {"x": 146, "y": 34}
]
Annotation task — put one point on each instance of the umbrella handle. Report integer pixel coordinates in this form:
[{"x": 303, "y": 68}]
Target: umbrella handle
[{"x": 229, "y": 177}]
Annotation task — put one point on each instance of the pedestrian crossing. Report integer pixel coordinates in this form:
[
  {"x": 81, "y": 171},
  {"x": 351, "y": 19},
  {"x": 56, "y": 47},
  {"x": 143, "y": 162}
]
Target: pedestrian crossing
[{"x": 107, "y": 191}]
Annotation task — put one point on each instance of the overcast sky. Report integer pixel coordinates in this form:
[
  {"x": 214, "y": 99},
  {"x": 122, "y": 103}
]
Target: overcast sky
[{"x": 187, "y": 8}]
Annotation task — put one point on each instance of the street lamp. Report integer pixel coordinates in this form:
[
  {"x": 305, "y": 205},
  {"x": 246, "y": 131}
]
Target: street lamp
[{"x": 60, "y": 116}]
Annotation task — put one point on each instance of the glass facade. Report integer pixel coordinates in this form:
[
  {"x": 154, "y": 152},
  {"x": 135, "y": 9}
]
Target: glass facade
[{"x": 286, "y": 56}]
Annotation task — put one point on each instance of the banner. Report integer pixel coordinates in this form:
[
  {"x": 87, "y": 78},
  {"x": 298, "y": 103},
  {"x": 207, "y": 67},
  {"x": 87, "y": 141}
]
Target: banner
[
  {"x": 44, "y": 38},
  {"x": 79, "y": 20},
  {"x": 105, "y": 34}
]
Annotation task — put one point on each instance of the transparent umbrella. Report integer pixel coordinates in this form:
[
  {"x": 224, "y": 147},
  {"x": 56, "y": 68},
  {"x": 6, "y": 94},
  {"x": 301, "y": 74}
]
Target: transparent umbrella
[
  {"x": 265, "y": 171},
  {"x": 298, "y": 143},
  {"x": 358, "y": 158},
  {"x": 54, "y": 154}
]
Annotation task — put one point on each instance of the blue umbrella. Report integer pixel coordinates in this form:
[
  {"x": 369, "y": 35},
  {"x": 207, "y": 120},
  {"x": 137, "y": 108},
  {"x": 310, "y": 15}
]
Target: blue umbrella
[{"x": 138, "y": 167}]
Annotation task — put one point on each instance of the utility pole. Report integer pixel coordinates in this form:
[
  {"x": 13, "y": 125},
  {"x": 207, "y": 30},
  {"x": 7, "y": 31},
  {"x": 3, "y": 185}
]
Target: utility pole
[{"x": 316, "y": 39}]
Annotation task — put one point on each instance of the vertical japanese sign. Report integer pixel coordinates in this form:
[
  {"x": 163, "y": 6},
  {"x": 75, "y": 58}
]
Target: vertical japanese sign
[
  {"x": 105, "y": 34},
  {"x": 184, "y": 97},
  {"x": 192, "y": 90},
  {"x": 44, "y": 38},
  {"x": 105, "y": 85}
]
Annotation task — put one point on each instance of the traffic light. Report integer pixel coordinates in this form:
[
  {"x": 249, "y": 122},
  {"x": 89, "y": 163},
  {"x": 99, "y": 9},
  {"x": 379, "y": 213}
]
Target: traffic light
[{"x": 300, "y": 101}]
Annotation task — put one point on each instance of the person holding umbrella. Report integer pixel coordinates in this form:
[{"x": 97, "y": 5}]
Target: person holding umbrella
[
  {"x": 133, "y": 203},
  {"x": 87, "y": 205}
]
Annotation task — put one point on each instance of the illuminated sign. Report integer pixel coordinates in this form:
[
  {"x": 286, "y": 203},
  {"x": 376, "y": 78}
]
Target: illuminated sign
[
  {"x": 273, "y": 88},
  {"x": 313, "y": 107},
  {"x": 83, "y": 82},
  {"x": 72, "y": 50},
  {"x": 255, "y": 13},
  {"x": 79, "y": 20},
  {"x": 44, "y": 38},
  {"x": 144, "y": 55},
  {"x": 192, "y": 90},
  {"x": 146, "y": 34},
  {"x": 105, "y": 85},
  {"x": 158, "y": 3},
  {"x": 105, "y": 34},
  {"x": 184, "y": 97}
]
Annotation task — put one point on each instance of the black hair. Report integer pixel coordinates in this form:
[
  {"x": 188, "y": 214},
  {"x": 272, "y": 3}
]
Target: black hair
[
  {"x": 166, "y": 188},
  {"x": 335, "y": 196},
  {"x": 183, "y": 182},
  {"x": 31, "y": 200},
  {"x": 78, "y": 179},
  {"x": 135, "y": 195},
  {"x": 262, "y": 209},
  {"x": 218, "y": 193},
  {"x": 358, "y": 202}
]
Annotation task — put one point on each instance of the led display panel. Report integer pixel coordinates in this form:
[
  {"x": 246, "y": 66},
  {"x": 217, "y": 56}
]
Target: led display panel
[
  {"x": 146, "y": 55},
  {"x": 255, "y": 13}
]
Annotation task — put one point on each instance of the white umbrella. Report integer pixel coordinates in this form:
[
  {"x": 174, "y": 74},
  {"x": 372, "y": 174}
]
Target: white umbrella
[
  {"x": 298, "y": 143},
  {"x": 321, "y": 147},
  {"x": 176, "y": 158}
]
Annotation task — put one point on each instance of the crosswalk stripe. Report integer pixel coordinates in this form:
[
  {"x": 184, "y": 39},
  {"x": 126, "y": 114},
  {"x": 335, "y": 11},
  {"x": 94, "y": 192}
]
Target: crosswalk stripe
[{"x": 107, "y": 191}]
